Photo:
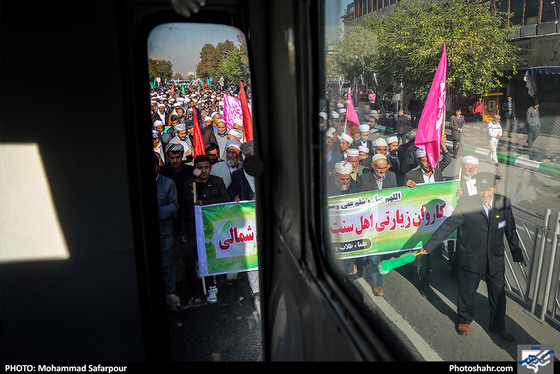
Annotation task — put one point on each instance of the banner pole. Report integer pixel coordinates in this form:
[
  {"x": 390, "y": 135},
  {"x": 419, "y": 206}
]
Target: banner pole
[{"x": 194, "y": 201}]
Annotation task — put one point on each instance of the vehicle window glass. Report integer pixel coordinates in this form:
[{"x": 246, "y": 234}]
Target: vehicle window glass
[
  {"x": 430, "y": 144},
  {"x": 202, "y": 136}
]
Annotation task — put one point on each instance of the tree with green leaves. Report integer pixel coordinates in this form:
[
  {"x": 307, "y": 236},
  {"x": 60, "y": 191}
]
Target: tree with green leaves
[
  {"x": 209, "y": 61},
  {"x": 225, "y": 59},
  {"x": 354, "y": 54},
  {"x": 410, "y": 42},
  {"x": 159, "y": 68}
]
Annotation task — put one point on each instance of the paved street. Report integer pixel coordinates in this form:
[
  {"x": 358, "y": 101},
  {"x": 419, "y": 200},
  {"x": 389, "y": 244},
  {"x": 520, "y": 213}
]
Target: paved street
[{"x": 229, "y": 330}]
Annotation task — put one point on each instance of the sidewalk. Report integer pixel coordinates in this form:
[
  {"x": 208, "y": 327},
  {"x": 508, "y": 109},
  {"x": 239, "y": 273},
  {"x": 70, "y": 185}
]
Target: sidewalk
[{"x": 512, "y": 149}]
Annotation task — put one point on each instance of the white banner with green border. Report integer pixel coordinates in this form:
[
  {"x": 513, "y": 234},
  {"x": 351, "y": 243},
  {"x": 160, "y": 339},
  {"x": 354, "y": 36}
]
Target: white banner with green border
[
  {"x": 390, "y": 220},
  {"x": 362, "y": 224},
  {"x": 226, "y": 236}
]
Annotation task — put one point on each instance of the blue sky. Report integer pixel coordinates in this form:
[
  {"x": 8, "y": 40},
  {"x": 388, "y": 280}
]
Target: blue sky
[{"x": 180, "y": 43}]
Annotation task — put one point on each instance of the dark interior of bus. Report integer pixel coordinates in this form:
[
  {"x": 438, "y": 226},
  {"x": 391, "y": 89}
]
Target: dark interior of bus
[{"x": 74, "y": 85}]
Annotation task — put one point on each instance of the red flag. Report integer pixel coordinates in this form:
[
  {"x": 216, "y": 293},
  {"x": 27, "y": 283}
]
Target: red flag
[
  {"x": 172, "y": 88},
  {"x": 247, "y": 121},
  {"x": 197, "y": 137},
  {"x": 428, "y": 136},
  {"x": 204, "y": 83}
]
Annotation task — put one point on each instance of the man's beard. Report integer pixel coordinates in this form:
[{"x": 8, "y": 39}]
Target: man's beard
[
  {"x": 232, "y": 163},
  {"x": 343, "y": 187}
]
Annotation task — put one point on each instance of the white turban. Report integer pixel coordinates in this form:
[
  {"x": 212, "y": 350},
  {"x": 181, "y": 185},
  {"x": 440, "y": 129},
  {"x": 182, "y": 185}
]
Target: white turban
[
  {"x": 353, "y": 152},
  {"x": 343, "y": 167},
  {"x": 420, "y": 153},
  {"x": 207, "y": 119},
  {"x": 380, "y": 142},
  {"x": 238, "y": 134},
  {"x": 180, "y": 127},
  {"x": 346, "y": 137},
  {"x": 234, "y": 144},
  {"x": 392, "y": 139},
  {"x": 377, "y": 156},
  {"x": 364, "y": 128},
  {"x": 363, "y": 149},
  {"x": 470, "y": 160},
  {"x": 158, "y": 123},
  {"x": 238, "y": 122}
]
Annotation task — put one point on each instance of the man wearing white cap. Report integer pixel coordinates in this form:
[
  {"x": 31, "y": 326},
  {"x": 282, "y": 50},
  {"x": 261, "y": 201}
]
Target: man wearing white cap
[
  {"x": 182, "y": 138},
  {"x": 224, "y": 169},
  {"x": 160, "y": 113},
  {"x": 377, "y": 178},
  {"x": 341, "y": 182},
  {"x": 494, "y": 135},
  {"x": 208, "y": 132},
  {"x": 364, "y": 155},
  {"x": 357, "y": 169},
  {"x": 238, "y": 125},
  {"x": 426, "y": 174},
  {"x": 469, "y": 167},
  {"x": 380, "y": 146},
  {"x": 345, "y": 143},
  {"x": 364, "y": 138},
  {"x": 221, "y": 135},
  {"x": 393, "y": 158},
  {"x": 467, "y": 187},
  {"x": 235, "y": 134}
]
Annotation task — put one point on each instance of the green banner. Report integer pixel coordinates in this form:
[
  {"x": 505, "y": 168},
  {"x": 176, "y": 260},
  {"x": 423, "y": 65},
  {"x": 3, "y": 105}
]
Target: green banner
[
  {"x": 226, "y": 238},
  {"x": 363, "y": 224},
  {"x": 391, "y": 220}
]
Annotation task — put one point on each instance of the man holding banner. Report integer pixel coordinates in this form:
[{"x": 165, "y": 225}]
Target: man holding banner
[
  {"x": 426, "y": 174},
  {"x": 430, "y": 141},
  {"x": 203, "y": 189},
  {"x": 378, "y": 178}
]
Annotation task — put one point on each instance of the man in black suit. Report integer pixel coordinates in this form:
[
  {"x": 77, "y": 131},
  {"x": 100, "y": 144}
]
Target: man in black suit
[
  {"x": 402, "y": 126},
  {"x": 482, "y": 220},
  {"x": 424, "y": 173},
  {"x": 456, "y": 124},
  {"x": 377, "y": 178},
  {"x": 341, "y": 183}
]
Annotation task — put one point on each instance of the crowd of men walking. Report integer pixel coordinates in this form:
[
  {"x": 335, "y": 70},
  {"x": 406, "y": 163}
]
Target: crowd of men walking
[
  {"x": 482, "y": 218},
  {"x": 185, "y": 180},
  {"x": 358, "y": 158}
]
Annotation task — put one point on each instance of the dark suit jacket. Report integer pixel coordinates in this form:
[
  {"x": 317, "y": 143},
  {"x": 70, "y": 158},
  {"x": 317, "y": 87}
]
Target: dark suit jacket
[
  {"x": 403, "y": 125},
  {"x": 416, "y": 175},
  {"x": 212, "y": 192},
  {"x": 369, "y": 181},
  {"x": 480, "y": 239},
  {"x": 333, "y": 190},
  {"x": 454, "y": 126},
  {"x": 240, "y": 187}
]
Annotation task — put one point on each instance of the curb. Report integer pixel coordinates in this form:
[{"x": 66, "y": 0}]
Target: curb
[{"x": 504, "y": 158}]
